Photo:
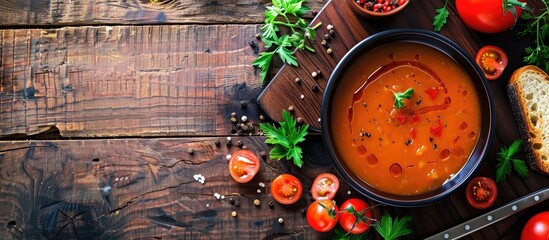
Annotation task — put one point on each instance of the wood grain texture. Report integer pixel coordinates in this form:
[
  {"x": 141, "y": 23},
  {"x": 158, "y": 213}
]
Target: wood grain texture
[
  {"x": 126, "y": 80},
  {"x": 145, "y": 189},
  {"x": 350, "y": 29},
  {"x": 99, "y": 12},
  {"x": 139, "y": 189}
]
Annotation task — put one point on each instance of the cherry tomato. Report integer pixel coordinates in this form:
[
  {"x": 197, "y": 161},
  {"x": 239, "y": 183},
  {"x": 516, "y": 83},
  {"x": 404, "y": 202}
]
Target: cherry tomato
[
  {"x": 325, "y": 186},
  {"x": 487, "y": 15},
  {"x": 243, "y": 165},
  {"x": 322, "y": 215},
  {"x": 481, "y": 192},
  {"x": 286, "y": 189},
  {"x": 492, "y": 61},
  {"x": 537, "y": 228},
  {"x": 355, "y": 216}
]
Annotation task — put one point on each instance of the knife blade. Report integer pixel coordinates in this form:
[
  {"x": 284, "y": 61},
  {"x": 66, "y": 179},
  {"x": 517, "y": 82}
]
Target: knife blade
[{"x": 493, "y": 216}]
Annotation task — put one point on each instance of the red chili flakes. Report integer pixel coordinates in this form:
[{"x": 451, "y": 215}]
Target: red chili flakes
[
  {"x": 413, "y": 133},
  {"x": 432, "y": 92},
  {"x": 437, "y": 131},
  {"x": 402, "y": 118},
  {"x": 415, "y": 118}
]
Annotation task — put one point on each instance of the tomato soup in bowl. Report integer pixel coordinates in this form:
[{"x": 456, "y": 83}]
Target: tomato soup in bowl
[{"x": 407, "y": 117}]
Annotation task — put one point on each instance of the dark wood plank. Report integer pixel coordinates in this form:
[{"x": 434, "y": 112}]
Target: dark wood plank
[
  {"x": 350, "y": 29},
  {"x": 126, "y": 80},
  {"x": 100, "y": 12},
  {"x": 144, "y": 188},
  {"x": 141, "y": 189}
]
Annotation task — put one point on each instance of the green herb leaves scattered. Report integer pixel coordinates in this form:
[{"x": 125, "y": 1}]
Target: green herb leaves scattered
[
  {"x": 390, "y": 230},
  {"x": 285, "y": 138},
  {"x": 507, "y": 160},
  {"x": 276, "y": 16},
  {"x": 441, "y": 15},
  {"x": 538, "y": 27},
  {"x": 400, "y": 96}
]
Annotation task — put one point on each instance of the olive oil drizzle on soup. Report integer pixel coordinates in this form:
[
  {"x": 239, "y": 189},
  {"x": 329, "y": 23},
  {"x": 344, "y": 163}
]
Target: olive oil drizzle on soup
[{"x": 409, "y": 150}]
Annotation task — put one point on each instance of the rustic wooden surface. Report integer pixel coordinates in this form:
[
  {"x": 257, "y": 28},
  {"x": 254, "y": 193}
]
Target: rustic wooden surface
[{"x": 92, "y": 77}]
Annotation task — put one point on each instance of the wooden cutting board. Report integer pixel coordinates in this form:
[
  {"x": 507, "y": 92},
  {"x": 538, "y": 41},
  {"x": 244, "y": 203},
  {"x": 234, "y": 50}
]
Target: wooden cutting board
[{"x": 350, "y": 28}]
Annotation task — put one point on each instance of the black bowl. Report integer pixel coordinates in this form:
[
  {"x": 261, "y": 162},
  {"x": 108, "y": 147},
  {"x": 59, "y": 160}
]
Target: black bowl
[{"x": 487, "y": 127}]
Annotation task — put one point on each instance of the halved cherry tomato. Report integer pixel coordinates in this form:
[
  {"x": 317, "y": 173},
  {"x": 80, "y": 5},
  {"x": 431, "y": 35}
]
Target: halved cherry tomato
[
  {"x": 492, "y": 61},
  {"x": 325, "y": 186},
  {"x": 481, "y": 192},
  {"x": 355, "y": 216},
  {"x": 286, "y": 189},
  {"x": 537, "y": 227},
  {"x": 243, "y": 165},
  {"x": 322, "y": 215}
]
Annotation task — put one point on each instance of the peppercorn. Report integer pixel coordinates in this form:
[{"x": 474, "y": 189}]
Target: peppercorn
[
  {"x": 239, "y": 144},
  {"x": 231, "y": 201},
  {"x": 262, "y": 154},
  {"x": 217, "y": 143},
  {"x": 271, "y": 205},
  {"x": 314, "y": 87},
  {"x": 243, "y": 104},
  {"x": 299, "y": 120}
]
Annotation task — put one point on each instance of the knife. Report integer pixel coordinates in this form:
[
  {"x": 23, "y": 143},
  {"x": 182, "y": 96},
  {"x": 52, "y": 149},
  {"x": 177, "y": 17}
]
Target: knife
[{"x": 493, "y": 216}]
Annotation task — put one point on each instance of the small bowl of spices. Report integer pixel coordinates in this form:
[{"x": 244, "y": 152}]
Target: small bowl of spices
[{"x": 378, "y": 8}]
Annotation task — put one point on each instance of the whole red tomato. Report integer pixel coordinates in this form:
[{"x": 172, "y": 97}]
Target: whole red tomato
[
  {"x": 537, "y": 228},
  {"x": 487, "y": 16},
  {"x": 355, "y": 216},
  {"x": 322, "y": 215}
]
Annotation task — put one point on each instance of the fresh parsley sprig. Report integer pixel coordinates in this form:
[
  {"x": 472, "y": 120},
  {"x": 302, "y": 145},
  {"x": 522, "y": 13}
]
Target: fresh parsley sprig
[
  {"x": 441, "y": 15},
  {"x": 391, "y": 229},
  {"x": 276, "y": 16},
  {"x": 538, "y": 27},
  {"x": 507, "y": 161},
  {"x": 285, "y": 138},
  {"x": 400, "y": 96}
]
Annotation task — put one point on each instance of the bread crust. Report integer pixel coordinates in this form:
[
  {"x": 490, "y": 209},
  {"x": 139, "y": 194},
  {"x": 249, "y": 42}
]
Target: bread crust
[{"x": 528, "y": 132}]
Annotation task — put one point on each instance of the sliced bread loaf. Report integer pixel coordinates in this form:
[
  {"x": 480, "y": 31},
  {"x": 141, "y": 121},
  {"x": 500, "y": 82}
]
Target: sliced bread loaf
[{"x": 528, "y": 91}]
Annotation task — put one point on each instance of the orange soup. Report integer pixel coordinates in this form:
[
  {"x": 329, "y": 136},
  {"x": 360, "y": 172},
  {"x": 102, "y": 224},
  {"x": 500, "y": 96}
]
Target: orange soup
[{"x": 415, "y": 148}]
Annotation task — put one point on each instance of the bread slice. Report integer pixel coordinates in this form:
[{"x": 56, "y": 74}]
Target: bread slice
[{"x": 528, "y": 91}]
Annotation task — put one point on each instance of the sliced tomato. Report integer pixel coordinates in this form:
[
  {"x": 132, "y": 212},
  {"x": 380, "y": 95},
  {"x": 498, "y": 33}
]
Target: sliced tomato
[
  {"x": 325, "y": 186},
  {"x": 286, "y": 189},
  {"x": 322, "y": 215},
  {"x": 243, "y": 165},
  {"x": 481, "y": 192},
  {"x": 492, "y": 61},
  {"x": 355, "y": 216}
]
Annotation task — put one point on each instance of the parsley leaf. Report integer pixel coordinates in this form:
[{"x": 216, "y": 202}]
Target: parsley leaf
[
  {"x": 276, "y": 16},
  {"x": 538, "y": 27},
  {"x": 507, "y": 161},
  {"x": 390, "y": 230},
  {"x": 441, "y": 15},
  {"x": 400, "y": 96},
  {"x": 285, "y": 139}
]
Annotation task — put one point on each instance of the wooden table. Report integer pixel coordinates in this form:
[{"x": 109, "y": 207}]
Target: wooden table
[{"x": 108, "y": 110}]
